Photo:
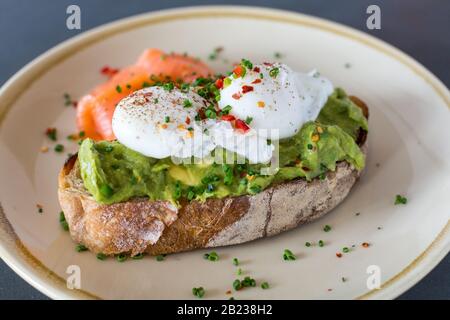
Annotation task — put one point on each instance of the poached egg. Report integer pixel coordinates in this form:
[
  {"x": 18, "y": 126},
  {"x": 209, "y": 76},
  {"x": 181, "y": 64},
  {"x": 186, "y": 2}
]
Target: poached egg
[
  {"x": 275, "y": 97},
  {"x": 162, "y": 123},
  {"x": 159, "y": 123}
]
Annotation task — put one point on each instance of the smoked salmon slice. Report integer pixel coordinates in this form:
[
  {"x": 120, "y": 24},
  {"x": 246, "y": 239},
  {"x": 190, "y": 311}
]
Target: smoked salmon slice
[{"x": 95, "y": 110}]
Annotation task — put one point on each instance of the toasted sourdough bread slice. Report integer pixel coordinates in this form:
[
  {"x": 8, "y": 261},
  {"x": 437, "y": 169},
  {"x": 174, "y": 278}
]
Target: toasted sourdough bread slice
[{"x": 157, "y": 227}]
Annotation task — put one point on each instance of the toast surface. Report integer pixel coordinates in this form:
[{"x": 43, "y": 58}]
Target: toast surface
[{"x": 158, "y": 227}]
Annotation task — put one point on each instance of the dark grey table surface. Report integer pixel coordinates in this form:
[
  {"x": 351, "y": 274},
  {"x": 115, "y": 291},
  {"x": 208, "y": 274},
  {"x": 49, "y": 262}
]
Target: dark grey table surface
[{"x": 418, "y": 27}]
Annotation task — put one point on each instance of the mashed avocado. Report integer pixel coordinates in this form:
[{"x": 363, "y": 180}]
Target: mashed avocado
[{"x": 113, "y": 173}]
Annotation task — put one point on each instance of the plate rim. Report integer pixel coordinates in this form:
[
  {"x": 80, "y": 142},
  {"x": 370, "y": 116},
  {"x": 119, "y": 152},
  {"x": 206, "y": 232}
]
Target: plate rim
[{"x": 16, "y": 255}]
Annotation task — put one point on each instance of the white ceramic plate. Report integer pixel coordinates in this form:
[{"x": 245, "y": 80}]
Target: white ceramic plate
[{"x": 409, "y": 154}]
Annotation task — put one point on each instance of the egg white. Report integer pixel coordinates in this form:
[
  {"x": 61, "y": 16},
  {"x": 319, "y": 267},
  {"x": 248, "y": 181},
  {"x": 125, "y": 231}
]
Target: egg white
[{"x": 283, "y": 102}]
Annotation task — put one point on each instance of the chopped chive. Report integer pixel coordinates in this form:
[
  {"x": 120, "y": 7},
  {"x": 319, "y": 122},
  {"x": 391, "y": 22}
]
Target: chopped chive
[
  {"x": 235, "y": 261},
  {"x": 63, "y": 222},
  {"x": 67, "y": 99},
  {"x": 237, "y": 285},
  {"x": 155, "y": 100},
  {"x": 168, "y": 86},
  {"x": 321, "y": 243},
  {"x": 288, "y": 255},
  {"x": 121, "y": 257},
  {"x": 226, "y": 109},
  {"x": 265, "y": 285},
  {"x": 247, "y": 63},
  {"x": 307, "y": 244},
  {"x": 187, "y": 103},
  {"x": 191, "y": 195},
  {"x": 248, "y": 282},
  {"x": 210, "y": 113},
  {"x": 177, "y": 190},
  {"x": 166, "y": 119},
  {"x": 248, "y": 120},
  {"x": 345, "y": 250},
  {"x": 119, "y": 89},
  {"x": 139, "y": 256},
  {"x": 160, "y": 257},
  {"x": 327, "y": 228},
  {"x": 239, "y": 272},
  {"x": 274, "y": 72},
  {"x": 184, "y": 87},
  {"x": 65, "y": 225},
  {"x": 399, "y": 199},
  {"x": 101, "y": 256},
  {"x": 198, "y": 292},
  {"x": 59, "y": 148},
  {"x": 213, "y": 256},
  {"x": 80, "y": 248}
]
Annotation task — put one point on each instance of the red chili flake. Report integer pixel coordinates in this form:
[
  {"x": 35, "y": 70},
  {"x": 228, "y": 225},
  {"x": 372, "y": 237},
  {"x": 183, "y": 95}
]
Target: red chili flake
[
  {"x": 268, "y": 64},
  {"x": 188, "y": 120},
  {"x": 238, "y": 70},
  {"x": 241, "y": 125},
  {"x": 75, "y": 104},
  {"x": 228, "y": 292},
  {"x": 237, "y": 95},
  {"x": 243, "y": 174},
  {"x": 228, "y": 117},
  {"x": 104, "y": 70},
  {"x": 201, "y": 113},
  {"x": 256, "y": 81},
  {"x": 338, "y": 254},
  {"x": 256, "y": 69},
  {"x": 109, "y": 72},
  {"x": 365, "y": 245},
  {"x": 246, "y": 89},
  {"x": 49, "y": 131},
  {"x": 219, "y": 83}
]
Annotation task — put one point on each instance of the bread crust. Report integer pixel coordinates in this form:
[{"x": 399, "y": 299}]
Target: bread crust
[{"x": 158, "y": 227}]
